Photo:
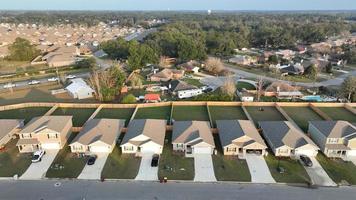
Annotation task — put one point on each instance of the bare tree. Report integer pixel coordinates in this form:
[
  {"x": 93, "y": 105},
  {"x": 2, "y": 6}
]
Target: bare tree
[
  {"x": 260, "y": 88},
  {"x": 229, "y": 87},
  {"x": 164, "y": 62},
  {"x": 214, "y": 65},
  {"x": 136, "y": 81}
]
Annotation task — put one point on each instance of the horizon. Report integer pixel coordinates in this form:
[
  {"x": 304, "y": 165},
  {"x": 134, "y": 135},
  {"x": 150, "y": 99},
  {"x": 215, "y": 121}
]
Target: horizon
[{"x": 180, "y": 5}]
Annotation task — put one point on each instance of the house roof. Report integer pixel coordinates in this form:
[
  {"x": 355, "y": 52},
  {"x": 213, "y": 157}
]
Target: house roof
[
  {"x": 154, "y": 129},
  {"x": 283, "y": 133},
  {"x": 177, "y": 85},
  {"x": 104, "y": 130},
  {"x": 230, "y": 130},
  {"x": 188, "y": 131},
  {"x": 335, "y": 129},
  {"x": 167, "y": 73},
  {"x": 23, "y": 141},
  {"x": 152, "y": 97},
  {"x": 8, "y": 125},
  {"x": 55, "y": 123},
  {"x": 77, "y": 85}
]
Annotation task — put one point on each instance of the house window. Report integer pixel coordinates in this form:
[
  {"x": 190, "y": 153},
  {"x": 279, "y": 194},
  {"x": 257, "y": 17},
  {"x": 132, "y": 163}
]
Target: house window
[
  {"x": 333, "y": 140},
  {"x": 231, "y": 149},
  {"x": 282, "y": 151},
  {"x": 26, "y": 136},
  {"x": 77, "y": 148},
  {"x": 52, "y": 136},
  {"x": 180, "y": 145},
  {"x": 128, "y": 148}
]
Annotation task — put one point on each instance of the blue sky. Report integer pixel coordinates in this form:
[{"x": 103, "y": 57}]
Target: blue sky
[{"x": 178, "y": 4}]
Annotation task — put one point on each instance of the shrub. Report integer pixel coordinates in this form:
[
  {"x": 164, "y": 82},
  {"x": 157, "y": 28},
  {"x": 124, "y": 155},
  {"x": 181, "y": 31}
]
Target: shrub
[{"x": 130, "y": 98}]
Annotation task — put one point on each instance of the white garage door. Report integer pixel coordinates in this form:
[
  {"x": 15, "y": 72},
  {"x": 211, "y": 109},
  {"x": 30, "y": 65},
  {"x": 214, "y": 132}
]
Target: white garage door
[
  {"x": 202, "y": 150},
  {"x": 50, "y": 146},
  {"x": 150, "y": 149},
  {"x": 99, "y": 149},
  {"x": 351, "y": 153},
  {"x": 306, "y": 152}
]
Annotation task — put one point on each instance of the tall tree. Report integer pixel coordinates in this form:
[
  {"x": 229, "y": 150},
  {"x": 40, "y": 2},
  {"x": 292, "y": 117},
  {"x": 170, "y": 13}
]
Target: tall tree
[{"x": 22, "y": 50}]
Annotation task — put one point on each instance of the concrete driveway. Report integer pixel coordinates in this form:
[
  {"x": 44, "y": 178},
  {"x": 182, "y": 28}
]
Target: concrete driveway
[
  {"x": 318, "y": 175},
  {"x": 203, "y": 168},
  {"x": 146, "y": 172},
  {"x": 38, "y": 170},
  {"x": 93, "y": 172},
  {"x": 258, "y": 169}
]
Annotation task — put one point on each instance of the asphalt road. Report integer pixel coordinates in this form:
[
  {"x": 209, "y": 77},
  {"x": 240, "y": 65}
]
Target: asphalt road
[{"x": 88, "y": 190}]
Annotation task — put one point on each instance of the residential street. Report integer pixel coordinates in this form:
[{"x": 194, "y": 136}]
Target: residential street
[{"x": 90, "y": 190}]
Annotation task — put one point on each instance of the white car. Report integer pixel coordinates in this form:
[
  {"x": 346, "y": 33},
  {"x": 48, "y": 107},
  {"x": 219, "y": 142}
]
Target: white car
[
  {"x": 34, "y": 82},
  {"x": 37, "y": 156},
  {"x": 71, "y": 76},
  {"x": 9, "y": 85},
  {"x": 53, "y": 79}
]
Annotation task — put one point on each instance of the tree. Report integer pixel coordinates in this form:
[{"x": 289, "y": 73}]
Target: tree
[
  {"x": 348, "y": 88},
  {"x": 116, "y": 49},
  {"x": 141, "y": 55},
  {"x": 136, "y": 81},
  {"x": 86, "y": 63},
  {"x": 128, "y": 99},
  {"x": 22, "y": 50},
  {"x": 311, "y": 72},
  {"x": 229, "y": 87},
  {"x": 273, "y": 59},
  {"x": 260, "y": 88},
  {"x": 214, "y": 65}
]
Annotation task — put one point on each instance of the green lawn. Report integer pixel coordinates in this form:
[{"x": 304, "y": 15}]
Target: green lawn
[
  {"x": 80, "y": 115},
  {"x": 116, "y": 113},
  {"x": 154, "y": 113},
  {"x": 337, "y": 169},
  {"x": 66, "y": 164},
  {"x": 187, "y": 113},
  {"x": 294, "y": 171},
  {"x": 12, "y": 162},
  {"x": 192, "y": 81},
  {"x": 120, "y": 166},
  {"x": 175, "y": 166},
  {"x": 302, "y": 116},
  {"x": 248, "y": 86},
  {"x": 226, "y": 113},
  {"x": 339, "y": 113},
  {"x": 38, "y": 94},
  {"x": 230, "y": 168},
  {"x": 24, "y": 113},
  {"x": 269, "y": 113}
]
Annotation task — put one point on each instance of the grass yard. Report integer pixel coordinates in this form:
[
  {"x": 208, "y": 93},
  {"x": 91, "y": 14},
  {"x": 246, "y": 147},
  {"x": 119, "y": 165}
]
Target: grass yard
[
  {"x": 175, "y": 166},
  {"x": 38, "y": 94},
  {"x": 24, "y": 113},
  {"x": 302, "y": 115},
  {"x": 230, "y": 168},
  {"x": 337, "y": 169},
  {"x": 66, "y": 164},
  {"x": 116, "y": 113},
  {"x": 248, "y": 86},
  {"x": 339, "y": 113},
  {"x": 192, "y": 81},
  {"x": 226, "y": 113},
  {"x": 120, "y": 166},
  {"x": 186, "y": 113},
  {"x": 269, "y": 113},
  {"x": 163, "y": 112},
  {"x": 12, "y": 162},
  {"x": 295, "y": 172},
  {"x": 80, "y": 115}
]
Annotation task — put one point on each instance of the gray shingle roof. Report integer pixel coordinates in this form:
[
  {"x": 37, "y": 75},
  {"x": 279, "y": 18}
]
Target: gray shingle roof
[
  {"x": 335, "y": 129},
  {"x": 8, "y": 125}
]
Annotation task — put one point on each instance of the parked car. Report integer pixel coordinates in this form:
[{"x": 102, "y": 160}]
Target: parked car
[
  {"x": 9, "y": 85},
  {"x": 91, "y": 160},
  {"x": 306, "y": 161},
  {"x": 37, "y": 156},
  {"x": 155, "y": 159},
  {"x": 53, "y": 79},
  {"x": 34, "y": 82},
  {"x": 71, "y": 76}
]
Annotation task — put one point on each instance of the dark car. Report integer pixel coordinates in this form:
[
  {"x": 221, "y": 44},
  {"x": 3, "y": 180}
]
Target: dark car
[
  {"x": 306, "y": 161},
  {"x": 155, "y": 159},
  {"x": 91, "y": 160}
]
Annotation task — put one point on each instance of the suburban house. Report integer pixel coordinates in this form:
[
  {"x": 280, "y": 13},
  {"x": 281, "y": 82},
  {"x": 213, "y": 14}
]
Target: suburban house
[
  {"x": 152, "y": 98},
  {"x": 46, "y": 132},
  {"x": 335, "y": 138},
  {"x": 79, "y": 89},
  {"x": 144, "y": 136},
  {"x": 97, "y": 136},
  {"x": 8, "y": 128},
  {"x": 192, "y": 137},
  {"x": 62, "y": 56},
  {"x": 243, "y": 60},
  {"x": 183, "y": 89},
  {"x": 167, "y": 74},
  {"x": 285, "y": 140},
  {"x": 240, "y": 137},
  {"x": 296, "y": 69},
  {"x": 245, "y": 95},
  {"x": 283, "y": 90}
]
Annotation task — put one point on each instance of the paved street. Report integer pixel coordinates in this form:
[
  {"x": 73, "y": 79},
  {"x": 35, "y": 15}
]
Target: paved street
[
  {"x": 146, "y": 172},
  {"x": 38, "y": 170},
  {"x": 93, "y": 172},
  {"x": 204, "y": 168},
  {"x": 258, "y": 169},
  {"x": 92, "y": 190}
]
